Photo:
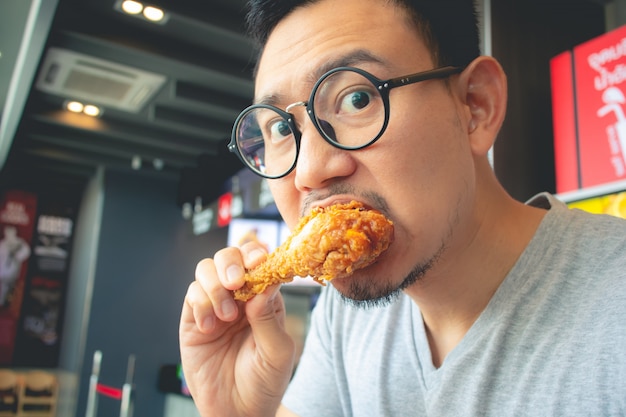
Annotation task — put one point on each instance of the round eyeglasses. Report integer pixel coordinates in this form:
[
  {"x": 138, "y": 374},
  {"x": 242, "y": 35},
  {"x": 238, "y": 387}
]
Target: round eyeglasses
[{"x": 349, "y": 107}]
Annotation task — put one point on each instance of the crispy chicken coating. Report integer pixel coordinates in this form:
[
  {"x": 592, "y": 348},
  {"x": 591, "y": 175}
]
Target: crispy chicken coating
[{"x": 330, "y": 242}]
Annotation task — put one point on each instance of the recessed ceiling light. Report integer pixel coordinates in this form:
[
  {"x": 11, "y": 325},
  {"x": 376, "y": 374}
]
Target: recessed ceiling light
[
  {"x": 141, "y": 10},
  {"x": 153, "y": 13},
  {"x": 132, "y": 7},
  {"x": 91, "y": 110},
  {"x": 74, "y": 106}
]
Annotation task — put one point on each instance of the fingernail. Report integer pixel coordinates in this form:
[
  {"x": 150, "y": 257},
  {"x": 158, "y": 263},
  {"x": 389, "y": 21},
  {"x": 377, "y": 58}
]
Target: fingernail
[
  {"x": 234, "y": 272},
  {"x": 208, "y": 323},
  {"x": 257, "y": 254},
  {"x": 228, "y": 308}
]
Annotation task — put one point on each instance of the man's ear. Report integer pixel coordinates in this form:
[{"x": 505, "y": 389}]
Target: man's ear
[{"x": 485, "y": 92}]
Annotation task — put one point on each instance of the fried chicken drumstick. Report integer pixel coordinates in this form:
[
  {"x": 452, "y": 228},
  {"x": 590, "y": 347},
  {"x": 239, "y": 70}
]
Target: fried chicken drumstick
[{"x": 328, "y": 243}]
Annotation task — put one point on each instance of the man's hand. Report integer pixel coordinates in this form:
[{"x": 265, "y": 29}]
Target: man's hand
[{"x": 237, "y": 357}]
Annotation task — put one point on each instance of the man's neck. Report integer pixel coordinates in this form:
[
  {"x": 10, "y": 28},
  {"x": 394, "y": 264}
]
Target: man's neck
[{"x": 456, "y": 291}]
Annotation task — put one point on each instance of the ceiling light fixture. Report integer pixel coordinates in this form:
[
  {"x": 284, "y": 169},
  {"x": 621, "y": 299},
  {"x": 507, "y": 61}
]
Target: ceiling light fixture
[
  {"x": 91, "y": 110},
  {"x": 135, "y": 162},
  {"x": 153, "y": 14},
  {"x": 141, "y": 10},
  {"x": 74, "y": 106},
  {"x": 132, "y": 7},
  {"x": 78, "y": 107}
]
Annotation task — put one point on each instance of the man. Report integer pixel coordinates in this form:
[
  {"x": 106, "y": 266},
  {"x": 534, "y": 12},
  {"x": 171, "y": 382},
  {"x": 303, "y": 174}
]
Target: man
[{"x": 482, "y": 306}]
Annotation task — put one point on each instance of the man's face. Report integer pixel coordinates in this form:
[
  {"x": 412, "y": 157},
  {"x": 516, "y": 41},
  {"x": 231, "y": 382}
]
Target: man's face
[{"x": 420, "y": 172}]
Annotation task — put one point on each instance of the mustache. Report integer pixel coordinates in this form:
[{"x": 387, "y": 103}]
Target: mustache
[{"x": 369, "y": 197}]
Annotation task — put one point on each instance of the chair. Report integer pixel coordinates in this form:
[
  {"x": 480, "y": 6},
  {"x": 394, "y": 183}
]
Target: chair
[
  {"x": 9, "y": 387},
  {"x": 38, "y": 394}
]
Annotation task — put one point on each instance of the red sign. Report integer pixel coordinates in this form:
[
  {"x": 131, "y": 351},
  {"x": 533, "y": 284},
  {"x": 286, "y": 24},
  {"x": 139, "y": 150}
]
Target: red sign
[
  {"x": 589, "y": 107},
  {"x": 224, "y": 209},
  {"x": 17, "y": 222}
]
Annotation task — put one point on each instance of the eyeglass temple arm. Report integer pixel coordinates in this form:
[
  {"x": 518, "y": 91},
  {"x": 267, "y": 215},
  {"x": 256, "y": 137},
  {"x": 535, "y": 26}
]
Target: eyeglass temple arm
[{"x": 442, "y": 72}]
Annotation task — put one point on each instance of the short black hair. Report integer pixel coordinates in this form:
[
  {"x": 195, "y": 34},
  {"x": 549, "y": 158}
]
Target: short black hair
[{"x": 448, "y": 27}]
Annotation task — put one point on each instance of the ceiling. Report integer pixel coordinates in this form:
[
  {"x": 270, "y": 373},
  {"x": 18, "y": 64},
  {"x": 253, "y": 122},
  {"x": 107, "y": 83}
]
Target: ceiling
[{"x": 199, "y": 54}]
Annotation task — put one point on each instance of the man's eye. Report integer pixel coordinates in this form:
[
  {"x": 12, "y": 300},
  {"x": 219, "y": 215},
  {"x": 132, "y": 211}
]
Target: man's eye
[
  {"x": 355, "y": 101},
  {"x": 279, "y": 130}
]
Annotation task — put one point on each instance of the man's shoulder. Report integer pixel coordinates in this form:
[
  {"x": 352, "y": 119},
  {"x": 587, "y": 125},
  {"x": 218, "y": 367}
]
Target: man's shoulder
[{"x": 588, "y": 231}]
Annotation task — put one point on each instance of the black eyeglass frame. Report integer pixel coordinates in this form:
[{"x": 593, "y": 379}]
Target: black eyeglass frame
[{"x": 383, "y": 86}]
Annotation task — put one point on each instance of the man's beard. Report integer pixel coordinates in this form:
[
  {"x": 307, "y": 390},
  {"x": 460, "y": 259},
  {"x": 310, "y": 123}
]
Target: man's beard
[{"x": 370, "y": 293}]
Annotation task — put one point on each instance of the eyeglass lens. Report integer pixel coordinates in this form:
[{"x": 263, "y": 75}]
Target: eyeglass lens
[{"x": 348, "y": 110}]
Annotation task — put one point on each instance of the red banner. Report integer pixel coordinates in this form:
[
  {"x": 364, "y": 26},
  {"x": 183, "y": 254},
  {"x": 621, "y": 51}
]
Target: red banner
[
  {"x": 589, "y": 114},
  {"x": 17, "y": 220}
]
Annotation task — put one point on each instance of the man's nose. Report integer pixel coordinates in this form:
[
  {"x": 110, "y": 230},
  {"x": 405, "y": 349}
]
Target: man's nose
[{"x": 320, "y": 162}]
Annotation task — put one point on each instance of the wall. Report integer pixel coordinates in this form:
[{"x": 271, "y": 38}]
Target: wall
[
  {"x": 146, "y": 259},
  {"x": 525, "y": 35},
  {"x": 615, "y": 13}
]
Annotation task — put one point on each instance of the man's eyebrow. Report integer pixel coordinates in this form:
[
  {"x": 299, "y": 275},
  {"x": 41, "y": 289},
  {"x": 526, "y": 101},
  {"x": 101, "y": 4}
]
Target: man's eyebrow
[
  {"x": 355, "y": 58},
  {"x": 270, "y": 100}
]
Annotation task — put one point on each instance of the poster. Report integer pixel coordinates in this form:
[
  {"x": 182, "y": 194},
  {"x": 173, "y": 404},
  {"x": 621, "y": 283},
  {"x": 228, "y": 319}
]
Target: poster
[
  {"x": 589, "y": 112},
  {"x": 40, "y": 327},
  {"x": 17, "y": 219}
]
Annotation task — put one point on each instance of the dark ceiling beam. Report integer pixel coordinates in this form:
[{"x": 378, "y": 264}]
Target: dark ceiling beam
[
  {"x": 32, "y": 164},
  {"x": 205, "y": 122},
  {"x": 89, "y": 160},
  {"x": 165, "y": 141},
  {"x": 186, "y": 120},
  {"x": 233, "y": 80},
  {"x": 119, "y": 150},
  {"x": 231, "y": 105}
]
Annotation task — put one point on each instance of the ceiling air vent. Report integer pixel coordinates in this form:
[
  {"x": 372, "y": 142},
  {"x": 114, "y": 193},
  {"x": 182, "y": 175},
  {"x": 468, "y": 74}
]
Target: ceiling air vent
[{"x": 82, "y": 77}]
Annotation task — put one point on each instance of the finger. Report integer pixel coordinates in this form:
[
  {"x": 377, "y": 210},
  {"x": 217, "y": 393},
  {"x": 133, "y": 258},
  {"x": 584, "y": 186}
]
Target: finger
[
  {"x": 197, "y": 310},
  {"x": 220, "y": 298},
  {"x": 230, "y": 267},
  {"x": 232, "y": 263},
  {"x": 253, "y": 254}
]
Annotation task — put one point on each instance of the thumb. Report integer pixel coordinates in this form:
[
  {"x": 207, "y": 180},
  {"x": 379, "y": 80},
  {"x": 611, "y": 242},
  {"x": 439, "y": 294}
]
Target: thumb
[{"x": 266, "y": 314}]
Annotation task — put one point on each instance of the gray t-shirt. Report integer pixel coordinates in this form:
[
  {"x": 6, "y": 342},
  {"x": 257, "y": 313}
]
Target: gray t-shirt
[{"x": 551, "y": 342}]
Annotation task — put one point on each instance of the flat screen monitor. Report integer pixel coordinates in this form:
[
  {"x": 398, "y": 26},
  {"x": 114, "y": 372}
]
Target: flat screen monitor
[{"x": 270, "y": 233}]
